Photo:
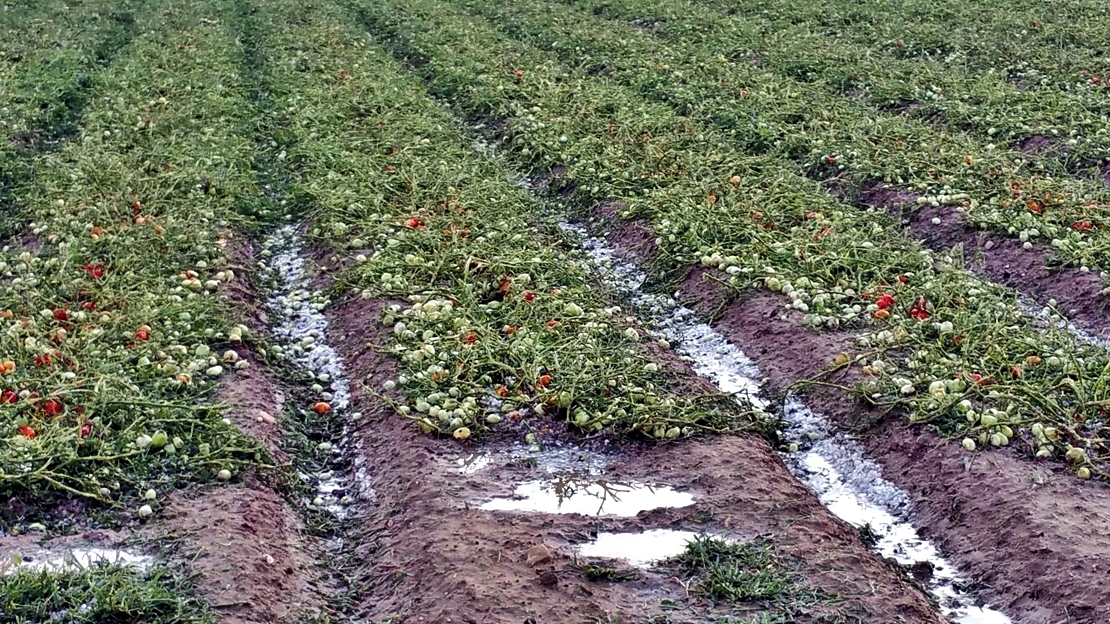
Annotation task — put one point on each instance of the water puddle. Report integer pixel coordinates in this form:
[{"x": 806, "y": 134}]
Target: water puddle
[
  {"x": 573, "y": 494},
  {"x": 473, "y": 462},
  {"x": 300, "y": 328},
  {"x": 565, "y": 459},
  {"x": 71, "y": 559},
  {"x": 638, "y": 549},
  {"x": 848, "y": 483}
]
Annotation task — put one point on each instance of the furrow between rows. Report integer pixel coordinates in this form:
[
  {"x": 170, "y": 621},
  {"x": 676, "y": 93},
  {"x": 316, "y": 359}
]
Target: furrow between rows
[
  {"x": 459, "y": 330},
  {"x": 763, "y": 226}
]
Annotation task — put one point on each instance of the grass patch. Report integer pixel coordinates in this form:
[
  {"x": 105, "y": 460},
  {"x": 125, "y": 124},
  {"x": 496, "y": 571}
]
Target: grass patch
[
  {"x": 102, "y": 594},
  {"x": 734, "y": 571}
]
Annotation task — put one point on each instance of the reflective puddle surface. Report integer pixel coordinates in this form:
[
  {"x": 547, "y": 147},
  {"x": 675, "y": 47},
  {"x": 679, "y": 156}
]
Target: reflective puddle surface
[
  {"x": 57, "y": 561},
  {"x": 569, "y": 494},
  {"x": 638, "y": 549}
]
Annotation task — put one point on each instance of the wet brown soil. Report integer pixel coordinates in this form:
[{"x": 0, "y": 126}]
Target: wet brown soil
[
  {"x": 1031, "y": 534},
  {"x": 248, "y": 548},
  {"x": 1039, "y": 144},
  {"x": 428, "y": 554},
  {"x": 254, "y": 404},
  {"x": 1002, "y": 259}
]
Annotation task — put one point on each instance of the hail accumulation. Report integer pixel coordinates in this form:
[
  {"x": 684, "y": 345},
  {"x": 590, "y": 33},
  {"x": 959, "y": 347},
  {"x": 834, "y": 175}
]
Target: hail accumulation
[
  {"x": 300, "y": 328},
  {"x": 848, "y": 483}
]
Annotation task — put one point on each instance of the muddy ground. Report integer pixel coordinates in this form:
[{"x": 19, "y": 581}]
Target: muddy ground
[
  {"x": 1032, "y": 535},
  {"x": 428, "y": 554}
]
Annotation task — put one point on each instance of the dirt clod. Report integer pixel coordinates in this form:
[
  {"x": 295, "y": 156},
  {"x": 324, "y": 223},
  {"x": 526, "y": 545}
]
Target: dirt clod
[{"x": 538, "y": 555}]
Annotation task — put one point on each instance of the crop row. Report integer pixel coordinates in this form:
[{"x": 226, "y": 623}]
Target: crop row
[
  {"x": 831, "y": 137},
  {"x": 949, "y": 347},
  {"x": 493, "y": 320},
  {"x": 1023, "y": 41},
  {"x": 113, "y": 332},
  {"x": 51, "y": 50},
  {"x": 931, "y": 80}
]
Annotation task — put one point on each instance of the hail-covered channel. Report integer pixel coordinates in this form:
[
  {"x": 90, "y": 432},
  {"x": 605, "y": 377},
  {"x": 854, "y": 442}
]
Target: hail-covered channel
[
  {"x": 301, "y": 331},
  {"x": 849, "y": 484}
]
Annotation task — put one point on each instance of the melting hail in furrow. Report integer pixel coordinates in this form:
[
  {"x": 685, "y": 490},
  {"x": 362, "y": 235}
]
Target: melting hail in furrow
[
  {"x": 300, "y": 328},
  {"x": 848, "y": 483}
]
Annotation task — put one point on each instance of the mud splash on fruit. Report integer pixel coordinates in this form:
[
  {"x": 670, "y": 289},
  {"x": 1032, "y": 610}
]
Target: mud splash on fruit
[{"x": 848, "y": 483}]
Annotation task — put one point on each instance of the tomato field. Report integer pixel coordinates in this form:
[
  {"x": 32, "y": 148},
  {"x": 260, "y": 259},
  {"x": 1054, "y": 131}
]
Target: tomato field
[{"x": 651, "y": 311}]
